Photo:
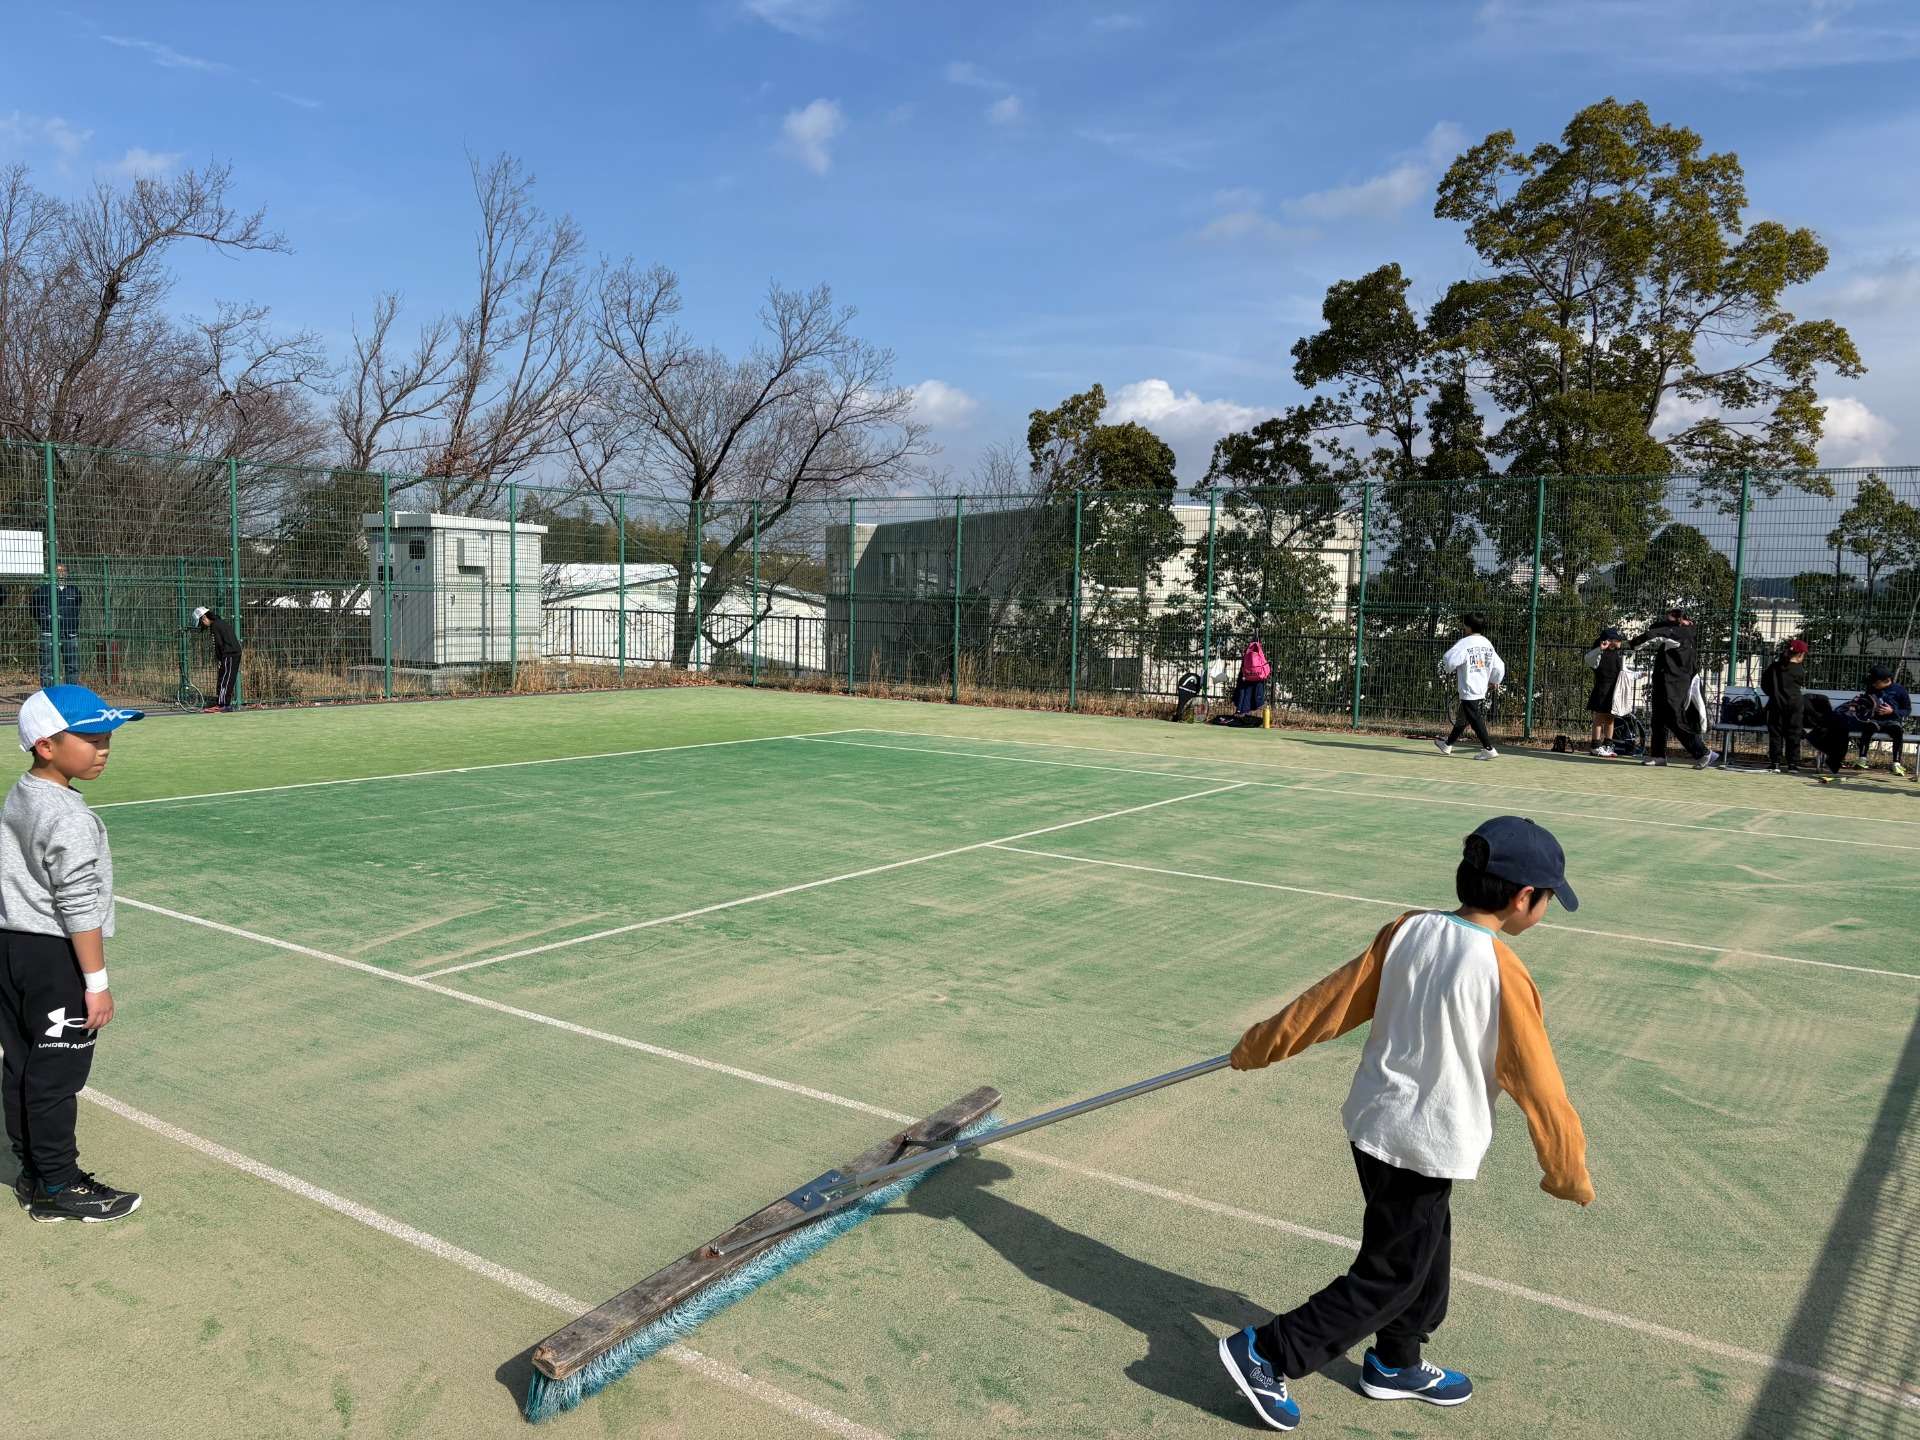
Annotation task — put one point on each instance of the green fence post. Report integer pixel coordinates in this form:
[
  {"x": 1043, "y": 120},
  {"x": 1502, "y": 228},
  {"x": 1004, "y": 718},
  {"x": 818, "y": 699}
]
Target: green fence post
[
  {"x": 1739, "y": 579},
  {"x": 106, "y": 605},
  {"x": 753, "y": 602},
  {"x": 1533, "y": 607},
  {"x": 1206, "y": 631},
  {"x": 386, "y": 582},
  {"x": 959, "y": 504},
  {"x": 850, "y": 553},
  {"x": 233, "y": 541},
  {"x": 620, "y": 587},
  {"x": 513, "y": 586},
  {"x": 699, "y": 585},
  {"x": 53, "y": 573},
  {"x": 1360, "y": 609},
  {"x": 1073, "y": 641}
]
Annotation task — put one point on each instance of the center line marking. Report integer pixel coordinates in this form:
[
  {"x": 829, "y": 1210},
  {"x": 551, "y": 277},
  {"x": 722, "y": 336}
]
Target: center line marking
[{"x": 816, "y": 884}]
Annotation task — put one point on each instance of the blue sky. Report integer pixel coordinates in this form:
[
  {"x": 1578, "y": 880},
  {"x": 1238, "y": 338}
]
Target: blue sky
[{"x": 1020, "y": 199}]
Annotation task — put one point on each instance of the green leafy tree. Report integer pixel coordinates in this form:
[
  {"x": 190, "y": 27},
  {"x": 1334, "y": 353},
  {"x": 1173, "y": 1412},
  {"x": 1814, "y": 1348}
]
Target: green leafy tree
[
  {"x": 1880, "y": 528},
  {"x": 1619, "y": 280},
  {"x": 1374, "y": 352}
]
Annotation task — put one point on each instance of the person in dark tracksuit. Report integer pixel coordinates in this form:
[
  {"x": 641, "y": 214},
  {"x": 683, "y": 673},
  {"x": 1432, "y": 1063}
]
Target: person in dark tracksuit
[
  {"x": 56, "y": 915},
  {"x": 41, "y": 602},
  {"x": 1675, "y": 663},
  {"x": 226, "y": 655},
  {"x": 1783, "y": 684}
]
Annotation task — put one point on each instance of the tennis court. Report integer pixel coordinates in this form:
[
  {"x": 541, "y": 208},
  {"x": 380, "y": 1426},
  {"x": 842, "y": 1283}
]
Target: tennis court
[{"x": 441, "y": 1023}]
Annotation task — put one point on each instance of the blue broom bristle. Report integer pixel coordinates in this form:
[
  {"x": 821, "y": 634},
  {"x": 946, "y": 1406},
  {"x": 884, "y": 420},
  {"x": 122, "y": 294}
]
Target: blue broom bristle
[{"x": 547, "y": 1398}]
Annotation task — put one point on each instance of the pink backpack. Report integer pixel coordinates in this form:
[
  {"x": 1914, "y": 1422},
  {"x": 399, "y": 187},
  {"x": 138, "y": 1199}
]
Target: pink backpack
[{"x": 1253, "y": 665}]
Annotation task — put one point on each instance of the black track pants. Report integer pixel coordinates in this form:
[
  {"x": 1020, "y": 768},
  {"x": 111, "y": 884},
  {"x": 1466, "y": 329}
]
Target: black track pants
[{"x": 43, "y": 1011}]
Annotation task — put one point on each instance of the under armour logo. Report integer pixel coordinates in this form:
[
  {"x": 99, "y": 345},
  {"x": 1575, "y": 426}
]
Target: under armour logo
[{"x": 59, "y": 1022}]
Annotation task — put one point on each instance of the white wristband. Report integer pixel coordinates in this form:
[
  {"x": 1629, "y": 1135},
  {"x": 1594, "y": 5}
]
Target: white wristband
[{"x": 96, "y": 980}]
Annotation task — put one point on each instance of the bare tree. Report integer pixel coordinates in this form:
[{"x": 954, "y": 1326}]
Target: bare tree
[
  {"x": 490, "y": 393},
  {"x": 389, "y": 395},
  {"x": 809, "y": 413}
]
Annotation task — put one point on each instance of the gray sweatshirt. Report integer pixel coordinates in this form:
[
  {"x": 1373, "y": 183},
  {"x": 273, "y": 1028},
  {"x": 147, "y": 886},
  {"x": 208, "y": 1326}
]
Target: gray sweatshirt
[{"x": 56, "y": 873}]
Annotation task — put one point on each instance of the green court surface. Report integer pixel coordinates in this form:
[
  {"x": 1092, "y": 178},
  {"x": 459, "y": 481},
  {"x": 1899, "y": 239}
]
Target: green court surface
[{"x": 440, "y": 1022}]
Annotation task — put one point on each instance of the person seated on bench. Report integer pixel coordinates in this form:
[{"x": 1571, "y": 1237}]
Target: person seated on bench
[
  {"x": 1786, "y": 696},
  {"x": 1878, "y": 710}
]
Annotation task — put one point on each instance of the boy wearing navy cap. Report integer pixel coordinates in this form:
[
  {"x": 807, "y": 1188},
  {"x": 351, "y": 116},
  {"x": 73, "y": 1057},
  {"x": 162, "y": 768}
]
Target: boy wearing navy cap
[
  {"x": 1456, "y": 1018},
  {"x": 56, "y": 913}
]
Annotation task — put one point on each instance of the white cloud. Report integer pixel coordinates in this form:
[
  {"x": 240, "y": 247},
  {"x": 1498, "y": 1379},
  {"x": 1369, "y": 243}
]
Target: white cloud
[
  {"x": 304, "y": 102},
  {"x": 941, "y": 405},
  {"x": 808, "y": 133},
  {"x": 1891, "y": 284},
  {"x": 1854, "y": 435},
  {"x": 1701, "y": 36},
  {"x": 20, "y": 131},
  {"x": 140, "y": 163},
  {"x": 1385, "y": 195},
  {"x": 1242, "y": 218},
  {"x": 1005, "y": 110},
  {"x": 1178, "y": 152},
  {"x": 1185, "y": 420},
  {"x": 965, "y": 72},
  {"x": 163, "y": 55},
  {"x": 795, "y": 17}
]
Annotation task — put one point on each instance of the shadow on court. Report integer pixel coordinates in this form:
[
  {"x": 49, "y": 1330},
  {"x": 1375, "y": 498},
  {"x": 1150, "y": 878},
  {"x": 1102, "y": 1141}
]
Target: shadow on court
[
  {"x": 1860, "y": 1314},
  {"x": 1181, "y": 1319}
]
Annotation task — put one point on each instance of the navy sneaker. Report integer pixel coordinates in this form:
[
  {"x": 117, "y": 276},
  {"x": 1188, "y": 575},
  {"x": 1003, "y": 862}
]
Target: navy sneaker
[
  {"x": 1257, "y": 1380},
  {"x": 1425, "y": 1381},
  {"x": 23, "y": 1184},
  {"x": 85, "y": 1199}
]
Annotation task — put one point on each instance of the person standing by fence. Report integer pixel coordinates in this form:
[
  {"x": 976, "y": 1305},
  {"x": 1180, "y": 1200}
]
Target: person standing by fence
[
  {"x": 1675, "y": 664},
  {"x": 1476, "y": 668},
  {"x": 1783, "y": 683},
  {"x": 1250, "y": 694},
  {"x": 1612, "y": 693},
  {"x": 226, "y": 655},
  {"x": 42, "y": 602}
]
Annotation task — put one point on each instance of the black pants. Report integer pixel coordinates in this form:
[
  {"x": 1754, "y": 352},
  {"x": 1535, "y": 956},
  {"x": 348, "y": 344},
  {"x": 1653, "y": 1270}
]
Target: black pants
[
  {"x": 1474, "y": 713},
  {"x": 1785, "y": 723},
  {"x": 1678, "y": 723},
  {"x": 1871, "y": 730},
  {"x": 1395, "y": 1291},
  {"x": 229, "y": 680},
  {"x": 43, "y": 1011}
]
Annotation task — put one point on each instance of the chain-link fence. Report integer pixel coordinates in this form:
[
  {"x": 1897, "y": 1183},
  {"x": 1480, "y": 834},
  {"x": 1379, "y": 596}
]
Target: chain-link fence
[{"x": 345, "y": 585}]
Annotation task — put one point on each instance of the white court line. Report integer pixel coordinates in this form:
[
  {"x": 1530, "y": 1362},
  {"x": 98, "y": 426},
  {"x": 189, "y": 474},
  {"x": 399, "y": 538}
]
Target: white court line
[
  {"x": 816, "y": 884},
  {"x": 462, "y": 770},
  {"x": 1412, "y": 754},
  {"x": 1390, "y": 799},
  {"x": 523, "y": 1285},
  {"x": 1123, "y": 1182},
  {"x": 1408, "y": 905}
]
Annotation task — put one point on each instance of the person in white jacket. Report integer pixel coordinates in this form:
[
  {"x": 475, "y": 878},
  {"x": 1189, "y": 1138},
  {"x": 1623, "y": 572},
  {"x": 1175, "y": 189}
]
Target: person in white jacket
[{"x": 1476, "y": 668}]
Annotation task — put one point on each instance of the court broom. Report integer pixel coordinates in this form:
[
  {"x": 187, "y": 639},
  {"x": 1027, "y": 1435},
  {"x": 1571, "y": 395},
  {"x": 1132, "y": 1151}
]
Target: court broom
[{"x": 591, "y": 1353}]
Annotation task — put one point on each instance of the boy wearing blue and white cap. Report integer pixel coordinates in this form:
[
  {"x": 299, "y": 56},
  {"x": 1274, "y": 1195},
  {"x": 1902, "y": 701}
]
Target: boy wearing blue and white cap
[
  {"x": 1455, "y": 1020},
  {"x": 56, "y": 913}
]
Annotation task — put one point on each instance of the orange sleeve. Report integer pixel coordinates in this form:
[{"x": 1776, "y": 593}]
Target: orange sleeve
[
  {"x": 1525, "y": 1068},
  {"x": 1327, "y": 1010}
]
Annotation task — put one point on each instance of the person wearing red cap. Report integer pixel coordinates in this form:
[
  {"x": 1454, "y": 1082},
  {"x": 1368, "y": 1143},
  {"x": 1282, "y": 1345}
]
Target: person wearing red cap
[{"x": 1781, "y": 682}]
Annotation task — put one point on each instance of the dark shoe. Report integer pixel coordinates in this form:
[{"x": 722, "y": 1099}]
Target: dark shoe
[
  {"x": 85, "y": 1199},
  {"x": 1267, "y": 1391},
  {"x": 1425, "y": 1381},
  {"x": 23, "y": 1188}
]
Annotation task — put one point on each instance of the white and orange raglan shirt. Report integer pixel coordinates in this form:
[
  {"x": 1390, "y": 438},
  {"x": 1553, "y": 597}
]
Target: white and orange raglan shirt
[{"x": 1456, "y": 1019}]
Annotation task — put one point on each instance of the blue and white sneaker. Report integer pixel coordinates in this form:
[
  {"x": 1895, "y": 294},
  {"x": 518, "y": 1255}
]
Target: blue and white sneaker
[
  {"x": 1425, "y": 1381},
  {"x": 1257, "y": 1380}
]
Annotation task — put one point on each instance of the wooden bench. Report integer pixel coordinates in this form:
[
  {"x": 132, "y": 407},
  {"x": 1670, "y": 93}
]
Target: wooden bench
[{"x": 1732, "y": 733}]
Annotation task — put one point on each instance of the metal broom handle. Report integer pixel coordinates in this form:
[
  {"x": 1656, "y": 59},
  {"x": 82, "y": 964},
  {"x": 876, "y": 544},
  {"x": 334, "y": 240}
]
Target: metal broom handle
[{"x": 941, "y": 1153}]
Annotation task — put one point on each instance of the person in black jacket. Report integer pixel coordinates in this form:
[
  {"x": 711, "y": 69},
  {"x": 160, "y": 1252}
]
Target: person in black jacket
[
  {"x": 1781, "y": 682},
  {"x": 1605, "y": 702},
  {"x": 1674, "y": 666},
  {"x": 226, "y": 654},
  {"x": 1878, "y": 711},
  {"x": 41, "y": 603}
]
